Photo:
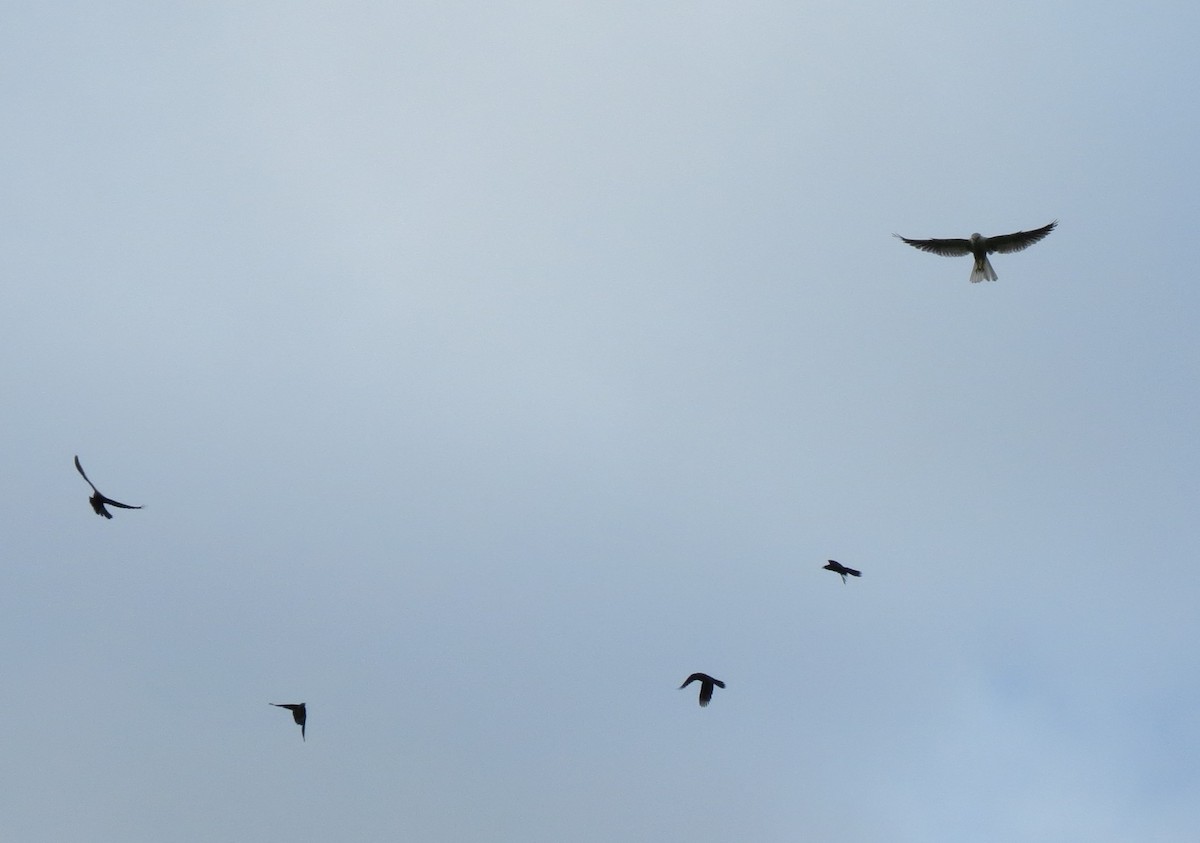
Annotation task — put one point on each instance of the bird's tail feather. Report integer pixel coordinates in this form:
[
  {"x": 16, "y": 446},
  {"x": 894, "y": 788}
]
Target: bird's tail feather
[{"x": 983, "y": 271}]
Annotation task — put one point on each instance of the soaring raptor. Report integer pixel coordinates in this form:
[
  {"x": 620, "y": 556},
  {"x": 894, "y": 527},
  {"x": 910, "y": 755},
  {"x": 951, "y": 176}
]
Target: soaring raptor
[
  {"x": 98, "y": 500},
  {"x": 299, "y": 714},
  {"x": 706, "y": 686},
  {"x": 981, "y": 246},
  {"x": 839, "y": 568}
]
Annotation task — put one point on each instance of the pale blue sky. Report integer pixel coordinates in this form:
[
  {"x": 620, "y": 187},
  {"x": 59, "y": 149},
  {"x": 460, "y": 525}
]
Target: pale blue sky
[{"x": 486, "y": 369}]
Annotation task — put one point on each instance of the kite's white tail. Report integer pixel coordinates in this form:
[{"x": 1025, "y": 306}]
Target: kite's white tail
[{"x": 983, "y": 271}]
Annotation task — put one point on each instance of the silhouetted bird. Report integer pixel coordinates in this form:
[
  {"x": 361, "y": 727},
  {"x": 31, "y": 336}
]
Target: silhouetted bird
[
  {"x": 299, "y": 714},
  {"x": 98, "y": 500},
  {"x": 980, "y": 246},
  {"x": 839, "y": 568},
  {"x": 706, "y": 686}
]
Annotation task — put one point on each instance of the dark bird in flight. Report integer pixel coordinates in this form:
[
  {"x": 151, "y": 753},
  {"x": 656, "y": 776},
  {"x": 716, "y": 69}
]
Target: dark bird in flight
[
  {"x": 98, "y": 500},
  {"x": 981, "y": 246},
  {"x": 706, "y": 686},
  {"x": 299, "y": 714},
  {"x": 839, "y": 568}
]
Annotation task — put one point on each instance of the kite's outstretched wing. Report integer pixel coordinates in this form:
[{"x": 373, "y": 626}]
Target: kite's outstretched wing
[
  {"x": 1018, "y": 240},
  {"x": 949, "y": 247},
  {"x": 79, "y": 467}
]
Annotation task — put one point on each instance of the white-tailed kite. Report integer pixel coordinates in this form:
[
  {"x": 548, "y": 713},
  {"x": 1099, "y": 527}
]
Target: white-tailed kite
[
  {"x": 299, "y": 714},
  {"x": 980, "y": 246},
  {"x": 839, "y": 568},
  {"x": 706, "y": 686},
  {"x": 98, "y": 500}
]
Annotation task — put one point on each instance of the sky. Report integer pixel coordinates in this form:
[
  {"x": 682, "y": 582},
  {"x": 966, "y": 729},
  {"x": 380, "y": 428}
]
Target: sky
[{"x": 486, "y": 369}]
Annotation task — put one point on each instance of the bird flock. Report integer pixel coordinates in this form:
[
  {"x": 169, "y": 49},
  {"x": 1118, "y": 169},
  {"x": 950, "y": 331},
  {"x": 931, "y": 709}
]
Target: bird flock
[{"x": 976, "y": 245}]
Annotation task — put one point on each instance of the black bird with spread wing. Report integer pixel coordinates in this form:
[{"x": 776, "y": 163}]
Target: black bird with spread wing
[
  {"x": 706, "y": 686},
  {"x": 98, "y": 500},
  {"x": 980, "y": 246},
  {"x": 839, "y": 568},
  {"x": 299, "y": 714}
]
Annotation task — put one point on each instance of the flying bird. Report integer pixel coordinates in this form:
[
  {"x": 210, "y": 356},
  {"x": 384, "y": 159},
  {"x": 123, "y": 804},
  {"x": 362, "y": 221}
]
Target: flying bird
[
  {"x": 299, "y": 714},
  {"x": 981, "y": 246},
  {"x": 98, "y": 500},
  {"x": 839, "y": 568},
  {"x": 706, "y": 686}
]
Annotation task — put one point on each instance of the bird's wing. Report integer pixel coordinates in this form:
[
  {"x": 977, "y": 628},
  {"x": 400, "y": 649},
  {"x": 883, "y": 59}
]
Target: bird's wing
[
  {"x": 705, "y": 693},
  {"x": 853, "y": 572},
  {"x": 299, "y": 711},
  {"x": 1018, "y": 240},
  {"x": 85, "y": 477},
  {"x": 695, "y": 677},
  {"x": 947, "y": 248},
  {"x": 111, "y": 502}
]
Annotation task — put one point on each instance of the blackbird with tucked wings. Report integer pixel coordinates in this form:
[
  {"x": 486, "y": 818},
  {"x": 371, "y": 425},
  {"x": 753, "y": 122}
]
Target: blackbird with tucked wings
[
  {"x": 98, "y": 500},
  {"x": 706, "y": 686},
  {"x": 980, "y": 246}
]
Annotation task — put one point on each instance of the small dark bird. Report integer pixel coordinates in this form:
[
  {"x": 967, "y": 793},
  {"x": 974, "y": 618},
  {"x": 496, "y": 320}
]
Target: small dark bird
[
  {"x": 980, "y": 246},
  {"x": 98, "y": 500},
  {"x": 299, "y": 714},
  {"x": 839, "y": 568},
  {"x": 706, "y": 686}
]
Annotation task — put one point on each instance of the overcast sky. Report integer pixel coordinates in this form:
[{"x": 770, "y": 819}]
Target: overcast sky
[{"x": 485, "y": 369}]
